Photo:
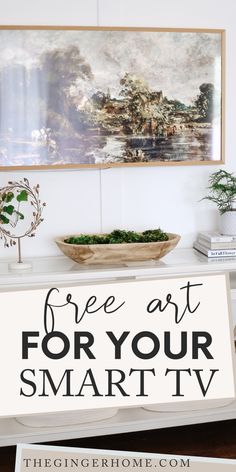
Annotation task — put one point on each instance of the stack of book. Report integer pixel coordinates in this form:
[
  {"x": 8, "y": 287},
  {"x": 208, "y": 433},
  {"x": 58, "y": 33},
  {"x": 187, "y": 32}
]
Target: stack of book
[{"x": 215, "y": 245}]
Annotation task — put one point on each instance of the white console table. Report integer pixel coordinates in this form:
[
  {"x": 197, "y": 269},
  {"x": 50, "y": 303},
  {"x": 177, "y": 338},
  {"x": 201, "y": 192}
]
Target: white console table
[{"x": 62, "y": 271}]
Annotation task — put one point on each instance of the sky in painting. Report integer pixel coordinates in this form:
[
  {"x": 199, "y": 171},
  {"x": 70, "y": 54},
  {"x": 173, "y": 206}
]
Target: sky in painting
[{"x": 175, "y": 62}]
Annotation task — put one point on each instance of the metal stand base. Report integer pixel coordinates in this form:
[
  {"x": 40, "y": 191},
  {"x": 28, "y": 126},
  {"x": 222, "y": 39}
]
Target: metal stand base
[{"x": 19, "y": 265}]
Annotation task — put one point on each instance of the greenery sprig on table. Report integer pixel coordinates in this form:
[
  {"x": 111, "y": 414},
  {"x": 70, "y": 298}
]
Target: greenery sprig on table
[
  {"x": 120, "y": 237},
  {"x": 13, "y": 197}
]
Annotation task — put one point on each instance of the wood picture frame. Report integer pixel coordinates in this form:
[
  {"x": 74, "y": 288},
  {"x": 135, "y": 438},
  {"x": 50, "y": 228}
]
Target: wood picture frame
[{"x": 100, "y": 97}]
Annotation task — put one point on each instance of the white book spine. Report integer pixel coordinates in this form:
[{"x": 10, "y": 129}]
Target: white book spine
[
  {"x": 216, "y": 239},
  {"x": 215, "y": 246},
  {"x": 214, "y": 252}
]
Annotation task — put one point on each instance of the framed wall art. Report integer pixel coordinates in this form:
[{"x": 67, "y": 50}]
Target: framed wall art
[{"x": 103, "y": 97}]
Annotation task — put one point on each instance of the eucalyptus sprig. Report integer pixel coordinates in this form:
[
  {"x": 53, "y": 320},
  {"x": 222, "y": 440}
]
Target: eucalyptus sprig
[{"x": 11, "y": 198}]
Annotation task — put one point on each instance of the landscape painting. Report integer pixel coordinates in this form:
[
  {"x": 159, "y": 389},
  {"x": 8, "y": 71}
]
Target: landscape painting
[{"x": 87, "y": 97}]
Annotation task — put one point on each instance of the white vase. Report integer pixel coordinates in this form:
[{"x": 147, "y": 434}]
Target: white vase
[{"x": 228, "y": 223}]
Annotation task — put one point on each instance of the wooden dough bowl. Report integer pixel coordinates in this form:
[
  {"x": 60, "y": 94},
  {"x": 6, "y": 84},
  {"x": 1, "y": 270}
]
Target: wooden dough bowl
[{"x": 106, "y": 254}]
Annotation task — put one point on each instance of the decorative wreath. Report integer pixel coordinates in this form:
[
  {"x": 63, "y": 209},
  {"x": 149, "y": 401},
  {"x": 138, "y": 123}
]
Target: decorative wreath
[{"x": 11, "y": 198}]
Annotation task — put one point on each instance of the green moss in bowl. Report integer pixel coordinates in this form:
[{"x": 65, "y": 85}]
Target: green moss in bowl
[{"x": 119, "y": 237}]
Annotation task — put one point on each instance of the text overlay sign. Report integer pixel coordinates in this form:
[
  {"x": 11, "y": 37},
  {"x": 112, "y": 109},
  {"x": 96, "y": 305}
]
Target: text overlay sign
[
  {"x": 31, "y": 458},
  {"x": 116, "y": 344}
]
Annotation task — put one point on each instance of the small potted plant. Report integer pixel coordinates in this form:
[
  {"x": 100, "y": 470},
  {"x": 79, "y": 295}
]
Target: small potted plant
[{"x": 222, "y": 192}]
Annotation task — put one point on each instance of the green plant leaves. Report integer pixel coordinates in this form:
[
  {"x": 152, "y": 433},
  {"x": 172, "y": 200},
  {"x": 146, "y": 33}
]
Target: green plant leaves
[
  {"x": 222, "y": 190},
  {"x": 7, "y": 197},
  {"x": 15, "y": 198},
  {"x": 9, "y": 209},
  {"x": 21, "y": 216},
  {"x": 22, "y": 196},
  {"x": 4, "y": 220},
  {"x": 119, "y": 237}
]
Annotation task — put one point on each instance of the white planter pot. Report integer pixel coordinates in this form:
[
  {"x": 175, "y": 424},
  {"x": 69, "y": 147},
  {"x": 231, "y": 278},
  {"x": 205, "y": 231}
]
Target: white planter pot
[
  {"x": 228, "y": 223},
  {"x": 68, "y": 418}
]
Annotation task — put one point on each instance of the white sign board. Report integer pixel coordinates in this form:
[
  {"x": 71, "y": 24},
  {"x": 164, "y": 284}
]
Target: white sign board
[
  {"x": 116, "y": 344},
  {"x": 32, "y": 457}
]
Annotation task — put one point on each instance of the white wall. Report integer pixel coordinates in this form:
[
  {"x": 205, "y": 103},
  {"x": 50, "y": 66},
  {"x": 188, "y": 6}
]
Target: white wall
[{"x": 135, "y": 198}]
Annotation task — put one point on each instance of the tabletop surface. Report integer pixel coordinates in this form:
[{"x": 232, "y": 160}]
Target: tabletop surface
[{"x": 63, "y": 269}]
